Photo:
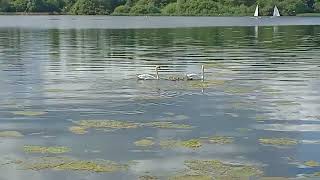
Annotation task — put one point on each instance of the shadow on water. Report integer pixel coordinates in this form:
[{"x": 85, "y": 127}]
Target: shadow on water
[{"x": 260, "y": 83}]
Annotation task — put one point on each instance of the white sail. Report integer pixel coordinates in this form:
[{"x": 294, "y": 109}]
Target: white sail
[
  {"x": 276, "y": 11},
  {"x": 256, "y": 13}
]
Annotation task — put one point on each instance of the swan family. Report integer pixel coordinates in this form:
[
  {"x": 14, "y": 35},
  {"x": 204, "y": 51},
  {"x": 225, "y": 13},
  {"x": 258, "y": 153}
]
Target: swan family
[{"x": 188, "y": 76}]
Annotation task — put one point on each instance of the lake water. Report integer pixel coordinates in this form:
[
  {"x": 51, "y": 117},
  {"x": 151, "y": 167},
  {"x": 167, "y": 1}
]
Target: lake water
[{"x": 261, "y": 81}]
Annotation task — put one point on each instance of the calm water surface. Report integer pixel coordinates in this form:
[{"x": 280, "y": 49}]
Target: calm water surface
[{"x": 261, "y": 82}]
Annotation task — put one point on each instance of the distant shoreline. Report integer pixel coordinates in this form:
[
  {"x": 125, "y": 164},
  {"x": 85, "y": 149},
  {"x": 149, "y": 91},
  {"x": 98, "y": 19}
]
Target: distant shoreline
[
  {"x": 32, "y": 13},
  {"x": 66, "y": 14}
]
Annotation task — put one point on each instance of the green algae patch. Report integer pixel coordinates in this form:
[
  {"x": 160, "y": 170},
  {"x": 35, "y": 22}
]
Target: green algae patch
[
  {"x": 274, "y": 178},
  {"x": 112, "y": 124},
  {"x": 206, "y": 83},
  {"x": 261, "y": 117},
  {"x": 144, "y": 142},
  {"x": 221, "y": 140},
  {"x": 244, "y": 130},
  {"x": 169, "y": 143},
  {"x": 190, "y": 177},
  {"x": 199, "y": 84},
  {"x": 46, "y": 150},
  {"x": 167, "y": 125},
  {"x": 148, "y": 177},
  {"x": 10, "y": 134},
  {"x": 78, "y": 130},
  {"x": 29, "y": 113},
  {"x": 67, "y": 164},
  {"x": 316, "y": 174},
  {"x": 311, "y": 163},
  {"x": 278, "y": 141},
  {"x": 220, "y": 170},
  {"x": 54, "y": 90},
  {"x": 174, "y": 118},
  {"x": 238, "y": 90},
  {"x": 192, "y": 143}
]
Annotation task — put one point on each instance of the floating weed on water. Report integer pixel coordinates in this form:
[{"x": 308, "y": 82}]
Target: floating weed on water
[
  {"x": 316, "y": 174},
  {"x": 206, "y": 84},
  {"x": 311, "y": 163},
  {"x": 261, "y": 117},
  {"x": 243, "y": 130},
  {"x": 14, "y": 134},
  {"x": 219, "y": 170},
  {"x": 221, "y": 140},
  {"x": 199, "y": 84},
  {"x": 144, "y": 142},
  {"x": 278, "y": 141},
  {"x": 148, "y": 177},
  {"x": 273, "y": 178},
  {"x": 168, "y": 125},
  {"x": 29, "y": 113},
  {"x": 244, "y": 105},
  {"x": 112, "y": 124},
  {"x": 192, "y": 143},
  {"x": 47, "y": 150},
  {"x": 175, "y": 118},
  {"x": 285, "y": 103},
  {"x": 62, "y": 163},
  {"x": 78, "y": 130},
  {"x": 144, "y": 98},
  {"x": 238, "y": 90},
  {"x": 169, "y": 143},
  {"x": 54, "y": 90},
  {"x": 169, "y": 113},
  {"x": 190, "y": 177}
]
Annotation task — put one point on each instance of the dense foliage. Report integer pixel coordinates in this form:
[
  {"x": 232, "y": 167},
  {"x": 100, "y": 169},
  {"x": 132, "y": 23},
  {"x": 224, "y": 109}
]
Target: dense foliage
[{"x": 164, "y": 7}]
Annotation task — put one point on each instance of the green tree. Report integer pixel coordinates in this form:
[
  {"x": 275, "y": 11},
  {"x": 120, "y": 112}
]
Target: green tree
[
  {"x": 4, "y": 5},
  {"x": 144, "y": 9},
  {"x": 88, "y": 7},
  {"x": 122, "y": 9},
  {"x": 170, "y": 9}
]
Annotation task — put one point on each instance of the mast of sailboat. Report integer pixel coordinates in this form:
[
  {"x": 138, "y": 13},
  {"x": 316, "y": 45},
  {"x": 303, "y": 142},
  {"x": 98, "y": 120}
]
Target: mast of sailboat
[
  {"x": 276, "y": 11},
  {"x": 256, "y": 13}
]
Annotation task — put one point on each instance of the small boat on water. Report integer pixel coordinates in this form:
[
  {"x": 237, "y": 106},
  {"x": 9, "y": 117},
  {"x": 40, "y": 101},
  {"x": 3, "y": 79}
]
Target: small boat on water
[
  {"x": 256, "y": 13},
  {"x": 276, "y": 12}
]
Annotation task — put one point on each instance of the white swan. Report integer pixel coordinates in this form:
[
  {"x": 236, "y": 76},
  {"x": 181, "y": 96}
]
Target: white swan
[
  {"x": 193, "y": 76},
  {"x": 149, "y": 76}
]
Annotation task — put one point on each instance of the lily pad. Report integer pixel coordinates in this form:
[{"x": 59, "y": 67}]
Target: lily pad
[
  {"x": 278, "y": 141},
  {"x": 144, "y": 142},
  {"x": 221, "y": 140},
  {"x": 29, "y": 113},
  {"x": 78, "y": 130},
  {"x": 14, "y": 134},
  {"x": 311, "y": 163},
  {"x": 44, "y": 149}
]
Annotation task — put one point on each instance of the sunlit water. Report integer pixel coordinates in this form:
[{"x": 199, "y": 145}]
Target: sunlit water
[{"x": 263, "y": 82}]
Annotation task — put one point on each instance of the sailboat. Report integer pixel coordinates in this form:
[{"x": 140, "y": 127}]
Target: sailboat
[
  {"x": 276, "y": 12},
  {"x": 256, "y": 13}
]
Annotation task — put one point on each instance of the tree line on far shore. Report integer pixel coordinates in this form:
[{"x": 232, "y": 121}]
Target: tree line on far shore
[{"x": 160, "y": 7}]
